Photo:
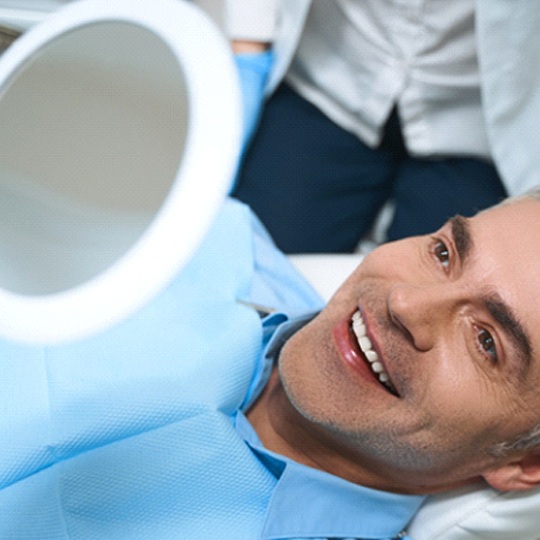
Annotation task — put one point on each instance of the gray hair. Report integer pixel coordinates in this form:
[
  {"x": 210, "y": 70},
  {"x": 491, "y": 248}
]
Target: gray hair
[
  {"x": 526, "y": 441},
  {"x": 533, "y": 194},
  {"x": 531, "y": 438}
]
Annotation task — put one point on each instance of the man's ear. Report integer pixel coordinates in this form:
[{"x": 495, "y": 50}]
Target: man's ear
[{"x": 520, "y": 474}]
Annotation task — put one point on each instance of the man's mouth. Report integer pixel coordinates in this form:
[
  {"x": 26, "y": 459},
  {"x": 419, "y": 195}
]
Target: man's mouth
[{"x": 360, "y": 332}]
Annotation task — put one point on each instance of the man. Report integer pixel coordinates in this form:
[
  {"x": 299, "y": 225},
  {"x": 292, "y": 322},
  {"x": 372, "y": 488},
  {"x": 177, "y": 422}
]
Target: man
[
  {"x": 420, "y": 375},
  {"x": 422, "y": 372}
]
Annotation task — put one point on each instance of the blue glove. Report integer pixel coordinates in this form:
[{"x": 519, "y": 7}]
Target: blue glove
[{"x": 253, "y": 69}]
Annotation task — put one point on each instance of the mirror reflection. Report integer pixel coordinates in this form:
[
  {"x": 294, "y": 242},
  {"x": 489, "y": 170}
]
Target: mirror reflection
[{"x": 92, "y": 131}]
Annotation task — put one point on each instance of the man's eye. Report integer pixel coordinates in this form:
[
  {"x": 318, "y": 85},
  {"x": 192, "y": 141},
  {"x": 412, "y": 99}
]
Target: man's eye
[
  {"x": 487, "y": 344},
  {"x": 442, "y": 253}
]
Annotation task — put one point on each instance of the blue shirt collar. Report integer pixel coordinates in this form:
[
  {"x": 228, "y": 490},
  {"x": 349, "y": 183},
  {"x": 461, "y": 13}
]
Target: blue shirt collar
[
  {"x": 277, "y": 329},
  {"x": 337, "y": 508}
]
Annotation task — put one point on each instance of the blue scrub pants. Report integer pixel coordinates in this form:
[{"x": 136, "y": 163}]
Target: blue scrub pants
[{"x": 318, "y": 188}]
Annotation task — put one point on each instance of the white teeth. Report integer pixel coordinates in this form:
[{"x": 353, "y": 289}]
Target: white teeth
[
  {"x": 372, "y": 356},
  {"x": 359, "y": 329},
  {"x": 377, "y": 367},
  {"x": 365, "y": 343},
  {"x": 359, "y": 326}
]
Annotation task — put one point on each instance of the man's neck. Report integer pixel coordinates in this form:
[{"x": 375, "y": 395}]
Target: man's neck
[{"x": 282, "y": 429}]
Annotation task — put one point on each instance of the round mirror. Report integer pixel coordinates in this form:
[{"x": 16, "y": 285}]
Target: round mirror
[{"x": 116, "y": 153}]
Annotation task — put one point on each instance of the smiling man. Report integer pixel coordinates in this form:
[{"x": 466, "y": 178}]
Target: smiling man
[
  {"x": 200, "y": 417},
  {"x": 422, "y": 373}
]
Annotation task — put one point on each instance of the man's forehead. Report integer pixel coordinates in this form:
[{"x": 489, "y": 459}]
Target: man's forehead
[
  {"x": 506, "y": 243},
  {"x": 509, "y": 233},
  {"x": 512, "y": 215}
]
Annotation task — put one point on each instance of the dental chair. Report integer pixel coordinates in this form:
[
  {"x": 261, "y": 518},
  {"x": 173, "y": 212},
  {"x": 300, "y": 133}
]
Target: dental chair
[{"x": 142, "y": 72}]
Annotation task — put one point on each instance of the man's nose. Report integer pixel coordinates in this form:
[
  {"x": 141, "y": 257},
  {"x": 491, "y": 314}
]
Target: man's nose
[{"x": 422, "y": 312}]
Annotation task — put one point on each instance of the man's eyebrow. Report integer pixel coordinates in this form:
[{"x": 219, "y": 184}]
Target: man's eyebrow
[
  {"x": 492, "y": 302},
  {"x": 510, "y": 324},
  {"x": 462, "y": 237}
]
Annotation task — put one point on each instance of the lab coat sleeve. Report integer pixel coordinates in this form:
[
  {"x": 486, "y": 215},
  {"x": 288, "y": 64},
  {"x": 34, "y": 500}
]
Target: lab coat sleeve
[{"x": 251, "y": 20}]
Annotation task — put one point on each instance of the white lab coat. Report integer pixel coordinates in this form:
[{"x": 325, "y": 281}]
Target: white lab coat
[{"x": 508, "y": 49}]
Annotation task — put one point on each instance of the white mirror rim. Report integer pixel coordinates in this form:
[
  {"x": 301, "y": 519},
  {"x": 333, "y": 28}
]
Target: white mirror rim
[{"x": 208, "y": 165}]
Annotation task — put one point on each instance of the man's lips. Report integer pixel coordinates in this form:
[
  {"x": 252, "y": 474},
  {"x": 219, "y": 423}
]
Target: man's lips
[{"x": 356, "y": 349}]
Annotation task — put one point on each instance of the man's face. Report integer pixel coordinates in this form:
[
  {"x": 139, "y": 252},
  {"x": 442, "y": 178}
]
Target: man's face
[{"x": 454, "y": 324}]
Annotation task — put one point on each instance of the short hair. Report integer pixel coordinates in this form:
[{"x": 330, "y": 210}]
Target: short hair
[
  {"x": 533, "y": 193},
  {"x": 531, "y": 438}
]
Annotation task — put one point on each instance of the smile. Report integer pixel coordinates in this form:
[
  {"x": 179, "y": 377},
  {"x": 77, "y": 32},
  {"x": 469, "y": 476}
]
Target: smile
[{"x": 360, "y": 332}]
